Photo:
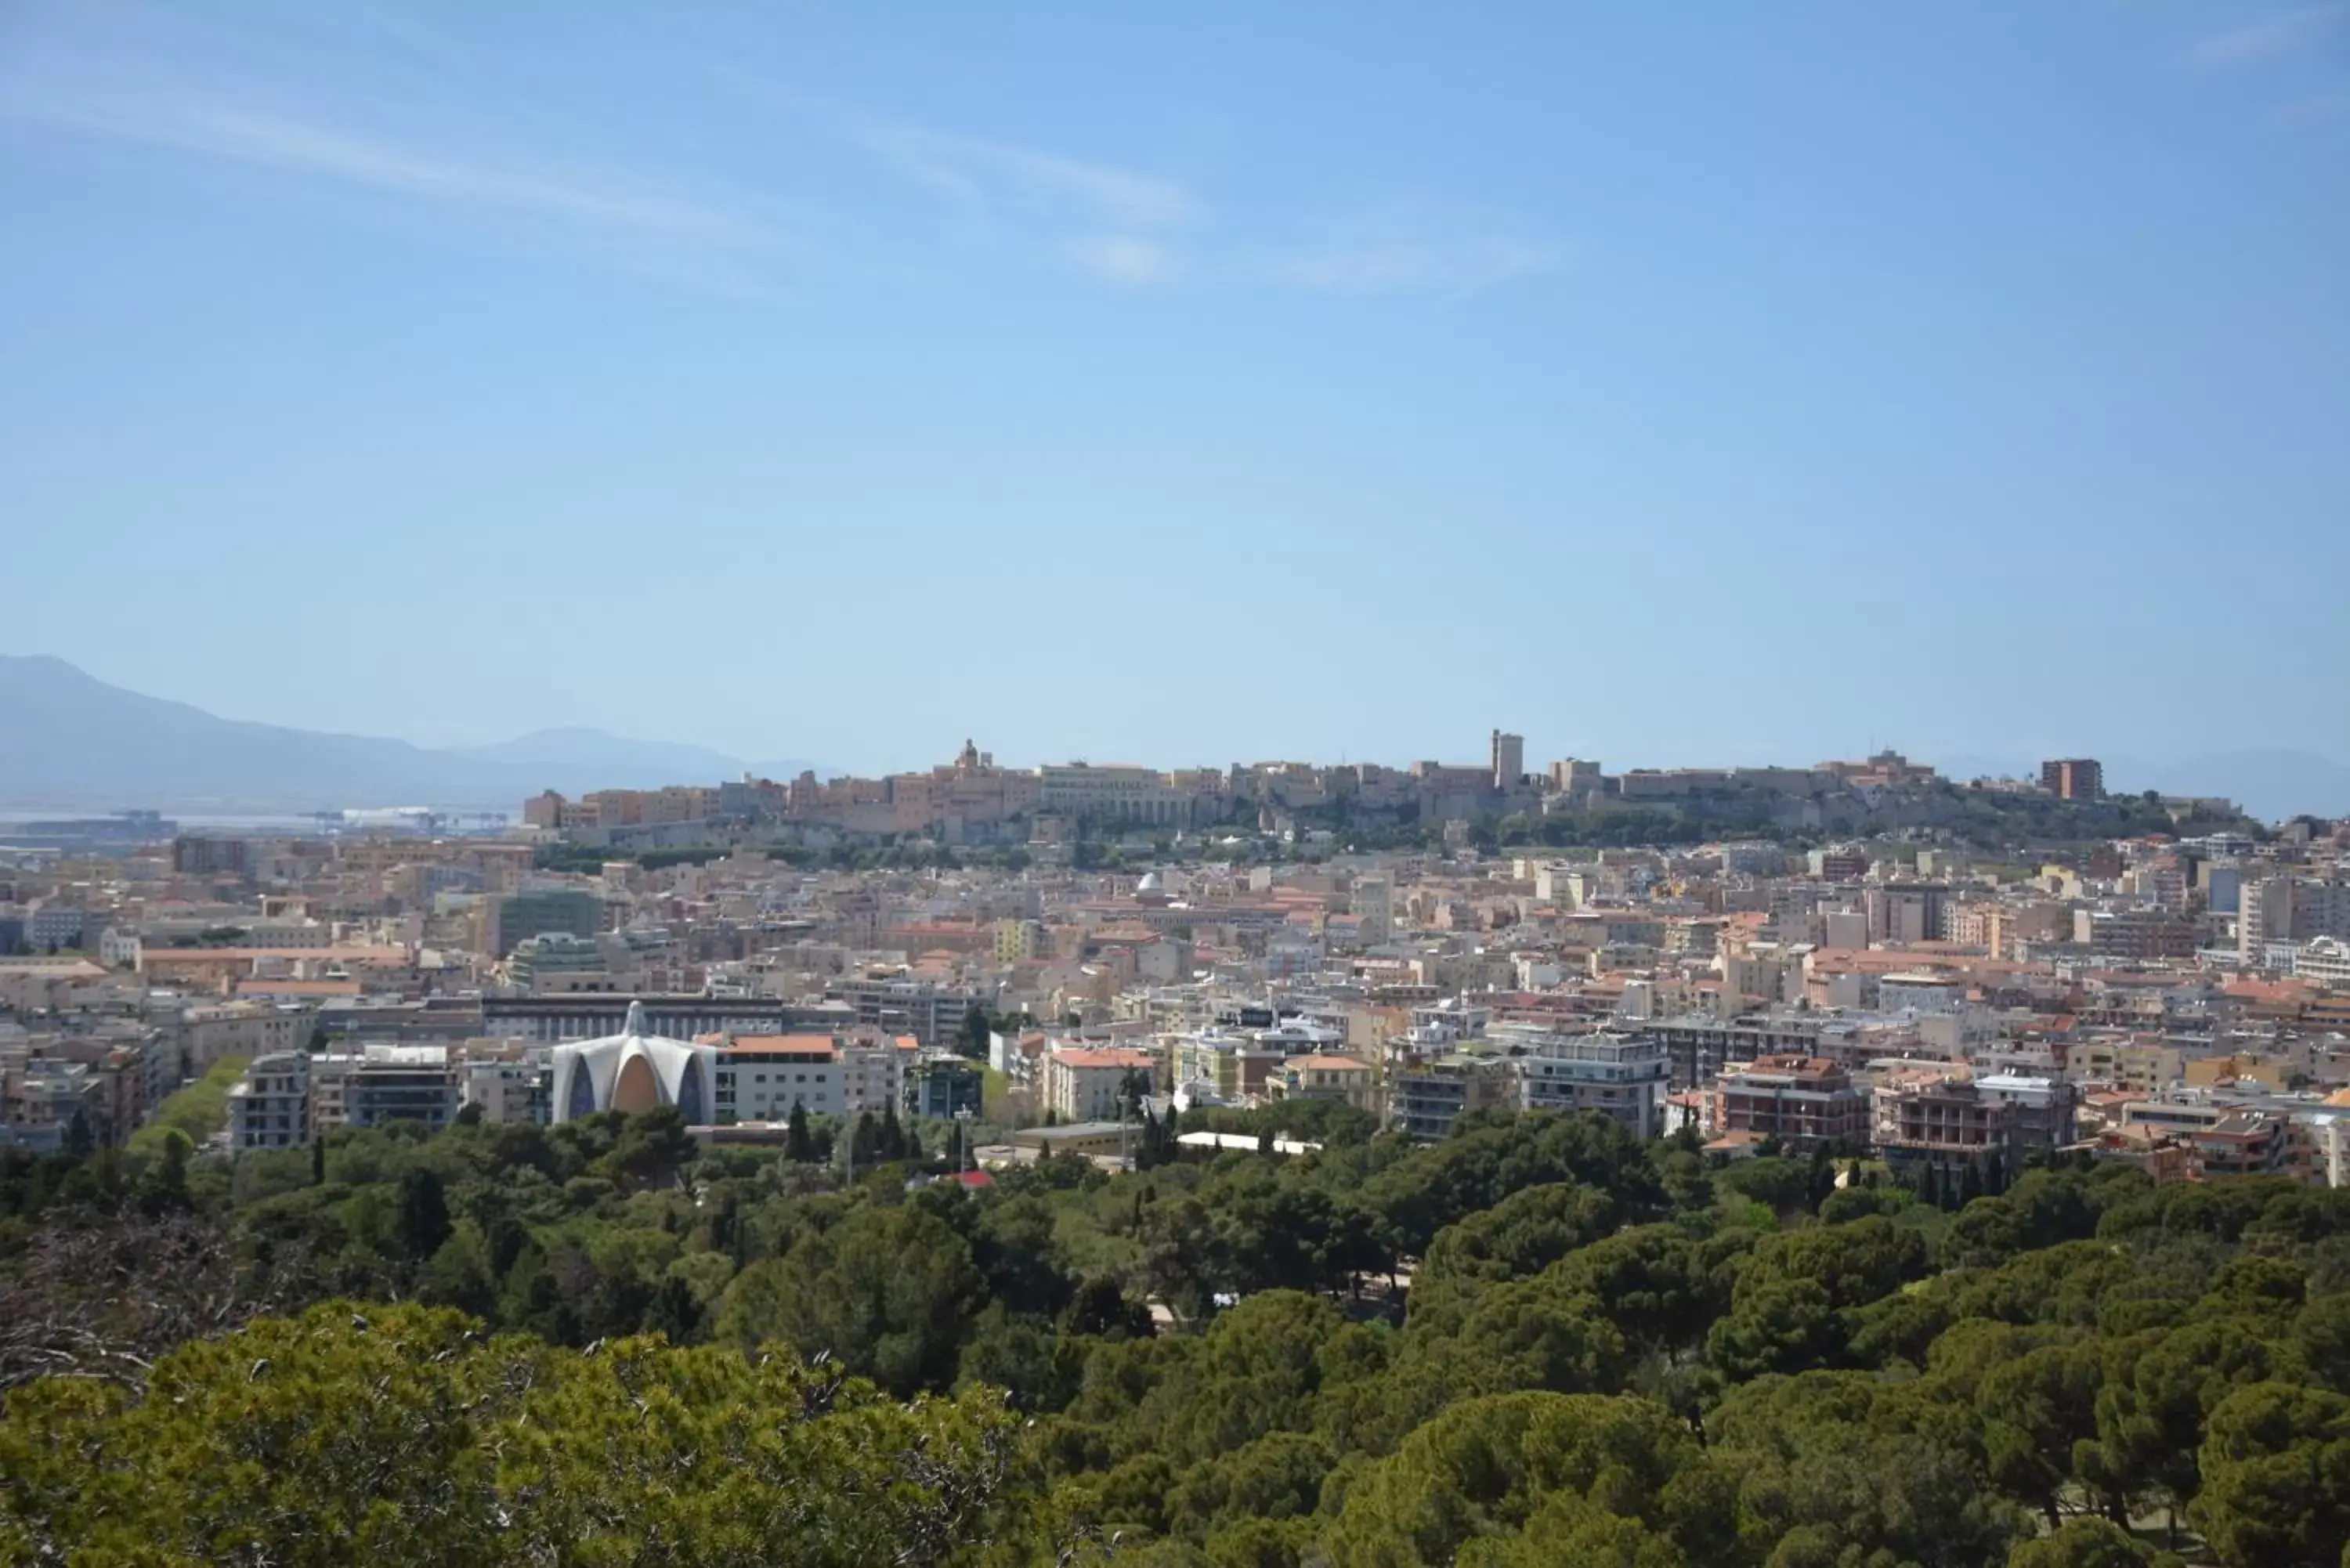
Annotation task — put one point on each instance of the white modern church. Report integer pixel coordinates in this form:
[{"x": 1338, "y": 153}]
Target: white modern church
[{"x": 634, "y": 1071}]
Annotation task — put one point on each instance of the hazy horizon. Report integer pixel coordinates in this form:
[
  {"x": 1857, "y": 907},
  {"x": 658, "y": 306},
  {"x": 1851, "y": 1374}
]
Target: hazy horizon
[{"x": 2122, "y": 768}]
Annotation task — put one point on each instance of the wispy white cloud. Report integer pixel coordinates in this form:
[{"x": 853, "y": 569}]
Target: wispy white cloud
[
  {"x": 2270, "y": 38},
  {"x": 269, "y": 140},
  {"x": 2310, "y": 109},
  {"x": 1401, "y": 266},
  {"x": 1126, "y": 259},
  {"x": 975, "y": 168},
  {"x": 1129, "y": 229},
  {"x": 192, "y": 107}
]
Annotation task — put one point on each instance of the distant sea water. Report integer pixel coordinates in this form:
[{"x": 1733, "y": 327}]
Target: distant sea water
[{"x": 258, "y": 824}]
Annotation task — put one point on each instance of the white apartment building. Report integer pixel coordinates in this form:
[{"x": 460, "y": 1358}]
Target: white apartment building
[
  {"x": 1920, "y": 992},
  {"x": 1625, "y": 1076},
  {"x": 2325, "y": 960},
  {"x": 760, "y": 1077},
  {"x": 270, "y": 1107},
  {"x": 2329, "y": 1135},
  {"x": 502, "y": 1089}
]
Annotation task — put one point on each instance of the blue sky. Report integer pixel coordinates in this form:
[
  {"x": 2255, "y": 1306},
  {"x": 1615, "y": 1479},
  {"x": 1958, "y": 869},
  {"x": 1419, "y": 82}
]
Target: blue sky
[{"x": 1696, "y": 383}]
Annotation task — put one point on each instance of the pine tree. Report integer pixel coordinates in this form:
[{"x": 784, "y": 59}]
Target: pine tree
[
  {"x": 423, "y": 1214},
  {"x": 673, "y": 1311},
  {"x": 972, "y": 1040},
  {"x": 1820, "y": 1182},
  {"x": 318, "y": 1161},
  {"x": 80, "y": 1141},
  {"x": 797, "y": 1146}
]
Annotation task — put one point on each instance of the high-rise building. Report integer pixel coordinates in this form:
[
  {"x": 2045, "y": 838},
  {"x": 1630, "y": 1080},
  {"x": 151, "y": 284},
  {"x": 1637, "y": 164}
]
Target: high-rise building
[
  {"x": 1372, "y": 897},
  {"x": 2072, "y": 778},
  {"x": 270, "y": 1106},
  {"x": 200, "y": 855},
  {"x": 518, "y": 917},
  {"x": 2278, "y": 910},
  {"x": 1508, "y": 760}
]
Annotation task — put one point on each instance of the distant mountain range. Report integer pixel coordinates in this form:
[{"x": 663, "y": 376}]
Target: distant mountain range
[
  {"x": 2271, "y": 785},
  {"x": 70, "y": 742}
]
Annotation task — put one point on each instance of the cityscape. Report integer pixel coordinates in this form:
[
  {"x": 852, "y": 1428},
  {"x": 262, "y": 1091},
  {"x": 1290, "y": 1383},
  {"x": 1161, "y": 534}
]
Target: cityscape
[
  {"x": 1859, "y": 956},
  {"x": 1208, "y": 787}
]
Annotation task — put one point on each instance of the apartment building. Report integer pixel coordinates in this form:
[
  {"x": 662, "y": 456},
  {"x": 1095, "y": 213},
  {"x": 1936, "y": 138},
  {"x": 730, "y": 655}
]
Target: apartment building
[
  {"x": 247, "y": 1029},
  {"x": 2221, "y": 1139},
  {"x": 940, "y": 1083},
  {"x": 1087, "y": 1086},
  {"x": 1227, "y": 1066},
  {"x": 760, "y": 1079},
  {"x": 507, "y": 1091},
  {"x": 2136, "y": 934},
  {"x": 41, "y": 1099},
  {"x": 2288, "y": 910},
  {"x": 1428, "y": 1097},
  {"x": 1700, "y": 1047},
  {"x": 270, "y": 1106},
  {"x": 380, "y": 1084},
  {"x": 514, "y": 918},
  {"x": 1623, "y": 1077},
  {"x": 2325, "y": 960},
  {"x": 2072, "y": 778},
  {"x": 1951, "y": 1121},
  {"x": 1327, "y": 1076},
  {"x": 203, "y": 855},
  {"x": 931, "y": 1012},
  {"x": 1903, "y": 914},
  {"x": 1806, "y": 1101},
  {"x": 2123, "y": 1064},
  {"x": 558, "y": 961}
]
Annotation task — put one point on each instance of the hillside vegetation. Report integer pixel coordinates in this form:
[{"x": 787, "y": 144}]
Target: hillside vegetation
[{"x": 593, "y": 1344}]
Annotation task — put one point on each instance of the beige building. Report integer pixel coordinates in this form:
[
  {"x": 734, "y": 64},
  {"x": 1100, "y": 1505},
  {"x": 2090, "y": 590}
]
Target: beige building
[
  {"x": 1328, "y": 1076},
  {"x": 1113, "y": 792},
  {"x": 247, "y": 1029},
  {"x": 1085, "y": 1085}
]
